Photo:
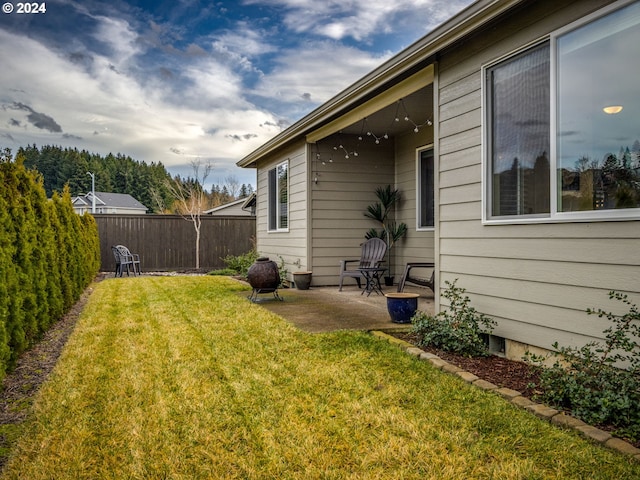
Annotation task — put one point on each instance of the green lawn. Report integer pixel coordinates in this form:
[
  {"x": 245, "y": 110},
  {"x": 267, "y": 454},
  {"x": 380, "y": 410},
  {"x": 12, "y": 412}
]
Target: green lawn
[{"x": 184, "y": 378}]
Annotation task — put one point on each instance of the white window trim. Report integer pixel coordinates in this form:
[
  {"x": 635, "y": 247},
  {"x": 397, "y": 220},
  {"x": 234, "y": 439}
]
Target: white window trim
[
  {"x": 277, "y": 203},
  {"x": 419, "y": 150},
  {"x": 625, "y": 214}
]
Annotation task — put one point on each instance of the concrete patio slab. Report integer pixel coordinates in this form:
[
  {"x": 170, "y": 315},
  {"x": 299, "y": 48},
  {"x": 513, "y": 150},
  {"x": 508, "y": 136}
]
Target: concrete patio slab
[{"x": 325, "y": 309}]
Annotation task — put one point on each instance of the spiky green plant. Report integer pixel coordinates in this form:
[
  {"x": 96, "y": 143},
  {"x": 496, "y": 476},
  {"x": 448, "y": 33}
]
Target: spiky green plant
[{"x": 391, "y": 231}]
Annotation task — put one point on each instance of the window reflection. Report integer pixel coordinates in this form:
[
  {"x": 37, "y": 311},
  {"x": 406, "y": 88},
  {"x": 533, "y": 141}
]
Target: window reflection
[
  {"x": 283, "y": 196},
  {"x": 519, "y": 126},
  {"x": 599, "y": 152},
  {"x": 426, "y": 206}
]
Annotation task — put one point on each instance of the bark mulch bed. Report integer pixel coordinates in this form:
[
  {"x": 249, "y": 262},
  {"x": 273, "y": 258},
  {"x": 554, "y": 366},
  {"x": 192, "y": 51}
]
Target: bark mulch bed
[
  {"x": 498, "y": 370},
  {"x": 504, "y": 373}
]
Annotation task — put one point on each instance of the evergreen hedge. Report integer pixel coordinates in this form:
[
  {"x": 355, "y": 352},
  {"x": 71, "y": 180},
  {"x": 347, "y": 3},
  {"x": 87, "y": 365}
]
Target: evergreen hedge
[{"x": 48, "y": 256}]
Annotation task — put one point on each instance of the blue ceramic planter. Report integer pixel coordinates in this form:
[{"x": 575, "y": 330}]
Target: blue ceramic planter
[{"x": 402, "y": 306}]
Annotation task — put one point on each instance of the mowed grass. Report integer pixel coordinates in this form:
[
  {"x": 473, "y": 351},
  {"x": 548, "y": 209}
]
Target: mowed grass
[{"x": 184, "y": 378}]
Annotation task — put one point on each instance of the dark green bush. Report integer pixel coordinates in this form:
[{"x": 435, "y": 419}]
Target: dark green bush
[
  {"x": 228, "y": 272},
  {"x": 598, "y": 382},
  {"x": 458, "y": 329},
  {"x": 48, "y": 255},
  {"x": 240, "y": 263}
]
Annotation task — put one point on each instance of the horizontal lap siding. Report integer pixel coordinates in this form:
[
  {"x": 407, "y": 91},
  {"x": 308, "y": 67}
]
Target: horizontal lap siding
[
  {"x": 339, "y": 199},
  {"x": 536, "y": 280},
  {"x": 417, "y": 245},
  {"x": 289, "y": 247}
]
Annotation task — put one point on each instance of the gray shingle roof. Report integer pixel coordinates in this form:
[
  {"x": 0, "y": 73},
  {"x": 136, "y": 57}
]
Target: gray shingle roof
[{"x": 118, "y": 200}]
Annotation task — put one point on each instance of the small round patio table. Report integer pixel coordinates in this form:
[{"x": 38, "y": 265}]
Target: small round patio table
[{"x": 372, "y": 277}]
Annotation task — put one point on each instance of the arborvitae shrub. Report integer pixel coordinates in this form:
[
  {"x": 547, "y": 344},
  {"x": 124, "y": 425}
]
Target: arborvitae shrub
[{"x": 48, "y": 256}]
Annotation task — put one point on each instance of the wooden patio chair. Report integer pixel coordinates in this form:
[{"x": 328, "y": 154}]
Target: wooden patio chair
[
  {"x": 373, "y": 252},
  {"x": 125, "y": 259}
]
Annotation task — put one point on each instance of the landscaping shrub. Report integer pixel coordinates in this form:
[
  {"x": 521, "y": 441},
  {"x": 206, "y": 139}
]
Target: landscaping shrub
[
  {"x": 48, "y": 255},
  {"x": 598, "y": 383},
  {"x": 240, "y": 264},
  {"x": 227, "y": 272},
  {"x": 458, "y": 329}
]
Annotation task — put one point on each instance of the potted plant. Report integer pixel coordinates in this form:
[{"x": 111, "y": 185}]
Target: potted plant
[
  {"x": 402, "y": 306},
  {"x": 390, "y": 231},
  {"x": 302, "y": 280}
]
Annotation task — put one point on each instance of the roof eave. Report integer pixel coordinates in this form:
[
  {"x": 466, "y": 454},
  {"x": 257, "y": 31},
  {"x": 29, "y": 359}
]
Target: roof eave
[{"x": 469, "y": 19}]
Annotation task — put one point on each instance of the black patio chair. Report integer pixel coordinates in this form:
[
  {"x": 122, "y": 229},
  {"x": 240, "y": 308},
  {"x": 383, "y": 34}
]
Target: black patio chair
[
  {"x": 125, "y": 259},
  {"x": 407, "y": 276},
  {"x": 373, "y": 252}
]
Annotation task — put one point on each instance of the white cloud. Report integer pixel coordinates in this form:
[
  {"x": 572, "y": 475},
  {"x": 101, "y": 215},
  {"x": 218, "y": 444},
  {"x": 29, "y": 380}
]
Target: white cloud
[
  {"x": 360, "y": 19},
  {"x": 105, "y": 111},
  {"x": 213, "y": 85},
  {"x": 317, "y": 72},
  {"x": 119, "y": 35},
  {"x": 243, "y": 41}
]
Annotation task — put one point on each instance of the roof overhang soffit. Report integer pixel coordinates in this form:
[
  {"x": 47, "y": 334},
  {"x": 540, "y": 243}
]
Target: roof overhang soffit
[{"x": 391, "y": 95}]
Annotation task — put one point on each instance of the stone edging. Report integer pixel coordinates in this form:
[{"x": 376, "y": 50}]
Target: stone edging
[{"x": 542, "y": 411}]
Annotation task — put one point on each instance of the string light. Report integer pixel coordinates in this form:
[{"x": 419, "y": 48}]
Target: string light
[
  {"x": 341, "y": 146},
  {"x": 367, "y": 131},
  {"x": 365, "y": 126},
  {"x": 416, "y": 127}
]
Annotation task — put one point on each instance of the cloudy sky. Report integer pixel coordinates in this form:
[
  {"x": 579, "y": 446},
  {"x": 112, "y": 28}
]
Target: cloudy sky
[{"x": 174, "y": 81}]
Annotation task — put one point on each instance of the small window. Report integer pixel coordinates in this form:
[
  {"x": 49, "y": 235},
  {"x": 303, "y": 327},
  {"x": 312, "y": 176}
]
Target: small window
[
  {"x": 425, "y": 189},
  {"x": 279, "y": 197}
]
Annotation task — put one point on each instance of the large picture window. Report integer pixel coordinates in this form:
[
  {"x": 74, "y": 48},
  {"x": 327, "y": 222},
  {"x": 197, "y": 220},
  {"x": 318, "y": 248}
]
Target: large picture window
[
  {"x": 425, "y": 189},
  {"x": 279, "y": 197},
  {"x": 563, "y": 130}
]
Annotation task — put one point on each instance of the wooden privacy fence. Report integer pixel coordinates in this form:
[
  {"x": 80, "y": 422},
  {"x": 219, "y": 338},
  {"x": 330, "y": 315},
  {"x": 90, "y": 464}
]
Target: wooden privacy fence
[{"x": 167, "y": 242}]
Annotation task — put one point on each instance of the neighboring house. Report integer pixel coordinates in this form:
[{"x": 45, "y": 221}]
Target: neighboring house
[
  {"x": 244, "y": 207},
  {"x": 121, "y": 203},
  {"x": 518, "y": 177}
]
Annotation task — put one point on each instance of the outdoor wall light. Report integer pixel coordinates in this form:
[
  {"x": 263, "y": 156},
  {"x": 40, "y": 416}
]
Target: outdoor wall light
[{"x": 612, "y": 109}]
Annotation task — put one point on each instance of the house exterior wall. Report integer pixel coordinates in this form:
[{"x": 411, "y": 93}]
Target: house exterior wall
[
  {"x": 418, "y": 244},
  {"x": 289, "y": 246},
  {"x": 536, "y": 280},
  {"x": 339, "y": 199}
]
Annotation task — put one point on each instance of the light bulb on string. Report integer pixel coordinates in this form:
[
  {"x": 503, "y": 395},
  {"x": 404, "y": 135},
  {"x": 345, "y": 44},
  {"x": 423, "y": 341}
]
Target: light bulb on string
[{"x": 416, "y": 127}]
